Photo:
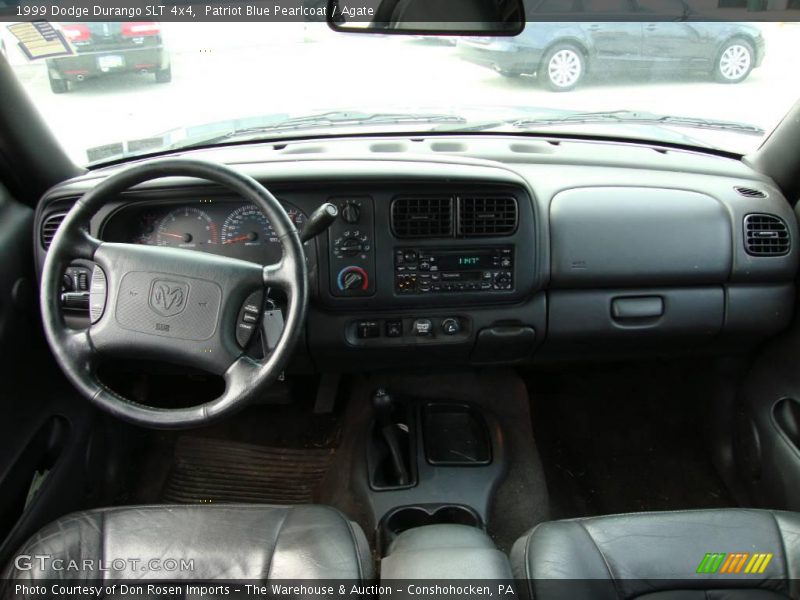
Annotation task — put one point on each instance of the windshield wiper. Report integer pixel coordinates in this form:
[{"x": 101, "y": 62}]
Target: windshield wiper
[
  {"x": 322, "y": 120},
  {"x": 627, "y": 116}
]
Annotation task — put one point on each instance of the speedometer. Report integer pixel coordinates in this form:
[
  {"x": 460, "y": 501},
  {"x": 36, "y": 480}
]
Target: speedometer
[{"x": 248, "y": 226}]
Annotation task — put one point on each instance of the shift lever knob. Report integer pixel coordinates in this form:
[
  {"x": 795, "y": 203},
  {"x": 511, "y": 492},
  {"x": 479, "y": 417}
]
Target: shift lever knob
[{"x": 382, "y": 407}]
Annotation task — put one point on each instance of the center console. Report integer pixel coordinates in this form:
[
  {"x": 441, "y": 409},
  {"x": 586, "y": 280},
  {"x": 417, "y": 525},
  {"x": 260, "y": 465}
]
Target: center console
[{"x": 432, "y": 467}]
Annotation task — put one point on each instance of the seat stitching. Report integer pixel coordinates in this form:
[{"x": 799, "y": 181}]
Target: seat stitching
[
  {"x": 349, "y": 526},
  {"x": 277, "y": 540},
  {"x": 782, "y": 545},
  {"x": 102, "y": 535},
  {"x": 357, "y": 549},
  {"x": 526, "y": 562},
  {"x": 671, "y": 512},
  {"x": 603, "y": 556}
]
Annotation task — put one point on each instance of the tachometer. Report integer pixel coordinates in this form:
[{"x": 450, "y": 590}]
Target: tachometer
[
  {"x": 187, "y": 228},
  {"x": 248, "y": 226}
]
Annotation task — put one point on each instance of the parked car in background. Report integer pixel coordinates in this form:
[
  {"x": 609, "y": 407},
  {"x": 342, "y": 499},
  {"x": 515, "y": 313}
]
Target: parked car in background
[
  {"x": 103, "y": 48},
  {"x": 561, "y": 54}
]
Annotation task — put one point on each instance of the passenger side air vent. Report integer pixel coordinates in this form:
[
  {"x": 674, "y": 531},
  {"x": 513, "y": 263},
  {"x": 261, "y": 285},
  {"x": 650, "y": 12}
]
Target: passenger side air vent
[
  {"x": 422, "y": 216},
  {"x": 49, "y": 228},
  {"x": 486, "y": 215},
  {"x": 766, "y": 235},
  {"x": 750, "y": 192}
]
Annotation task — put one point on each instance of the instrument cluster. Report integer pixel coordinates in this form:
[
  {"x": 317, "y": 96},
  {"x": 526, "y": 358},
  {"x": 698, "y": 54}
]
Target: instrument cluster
[{"x": 227, "y": 227}]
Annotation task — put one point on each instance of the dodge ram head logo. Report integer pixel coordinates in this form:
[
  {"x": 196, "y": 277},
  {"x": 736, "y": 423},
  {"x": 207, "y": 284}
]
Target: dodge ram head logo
[{"x": 168, "y": 298}]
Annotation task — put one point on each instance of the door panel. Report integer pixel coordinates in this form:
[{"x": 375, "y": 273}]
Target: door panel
[
  {"x": 17, "y": 301},
  {"x": 46, "y": 430}
]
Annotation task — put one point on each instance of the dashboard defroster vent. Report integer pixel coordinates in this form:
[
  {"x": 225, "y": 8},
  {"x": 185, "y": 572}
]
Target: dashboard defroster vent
[
  {"x": 766, "y": 235},
  {"x": 49, "y": 227},
  {"x": 486, "y": 215},
  {"x": 422, "y": 216},
  {"x": 750, "y": 192}
]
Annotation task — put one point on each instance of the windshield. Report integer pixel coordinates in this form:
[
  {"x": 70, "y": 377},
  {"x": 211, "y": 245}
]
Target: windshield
[{"x": 135, "y": 88}]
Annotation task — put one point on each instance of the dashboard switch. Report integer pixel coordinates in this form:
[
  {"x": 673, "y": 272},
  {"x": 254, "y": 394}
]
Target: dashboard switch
[
  {"x": 367, "y": 329},
  {"x": 451, "y": 326},
  {"x": 394, "y": 328},
  {"x": 423, "y": 327},
  {"x": 351, "y": 212}
]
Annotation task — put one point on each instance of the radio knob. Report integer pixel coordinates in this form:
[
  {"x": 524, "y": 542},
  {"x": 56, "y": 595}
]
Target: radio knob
[
  {"x": 351, "y": 212},
  {"x": 353, "y": 278}
]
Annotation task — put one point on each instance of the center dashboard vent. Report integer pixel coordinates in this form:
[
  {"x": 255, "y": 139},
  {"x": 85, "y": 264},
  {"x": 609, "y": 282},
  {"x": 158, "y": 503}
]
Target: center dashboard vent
[
  {"x": 454, "y": 216},
  {"x": 422, "y": 216},
  {"x": 766, "y": 235},
  {"x": 486, "y": 215},
  {"x": 49, "y": 227}
]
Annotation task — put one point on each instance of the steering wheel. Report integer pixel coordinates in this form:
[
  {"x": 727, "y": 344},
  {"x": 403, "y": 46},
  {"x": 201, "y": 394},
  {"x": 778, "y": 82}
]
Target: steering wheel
[{"x": 169, "y": 304}]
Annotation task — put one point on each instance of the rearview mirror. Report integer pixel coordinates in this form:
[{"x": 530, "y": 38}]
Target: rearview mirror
[{"x": 427, "y": 17}]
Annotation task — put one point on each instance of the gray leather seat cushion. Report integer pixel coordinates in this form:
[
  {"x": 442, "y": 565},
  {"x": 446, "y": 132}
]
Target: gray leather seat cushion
[
  {"x": 657, "y": 555},
  {"x": 239, "y": 541}
]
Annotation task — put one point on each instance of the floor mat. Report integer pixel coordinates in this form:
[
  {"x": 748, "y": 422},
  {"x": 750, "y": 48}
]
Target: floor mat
[
  {"x": 213, "y": 470},
  {"x": 625, "y": 438}
]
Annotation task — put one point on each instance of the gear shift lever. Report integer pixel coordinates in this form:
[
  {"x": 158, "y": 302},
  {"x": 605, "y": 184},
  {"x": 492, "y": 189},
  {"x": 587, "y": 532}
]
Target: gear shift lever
[{"x": 383, "y": 407}]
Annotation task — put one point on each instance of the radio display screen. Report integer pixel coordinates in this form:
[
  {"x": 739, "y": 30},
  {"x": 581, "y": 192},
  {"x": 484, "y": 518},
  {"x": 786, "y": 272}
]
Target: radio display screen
[{"x": 463, "y": 261}]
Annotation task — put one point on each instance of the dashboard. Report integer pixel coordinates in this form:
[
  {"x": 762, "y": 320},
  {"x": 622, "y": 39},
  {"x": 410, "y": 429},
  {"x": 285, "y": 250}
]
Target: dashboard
[
  {"x": 224, "y": 226},
  {"x": 489, "y": 249}
]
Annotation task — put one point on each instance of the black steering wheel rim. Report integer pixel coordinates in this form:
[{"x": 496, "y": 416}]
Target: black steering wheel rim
[{"x": 213, "y": 285}]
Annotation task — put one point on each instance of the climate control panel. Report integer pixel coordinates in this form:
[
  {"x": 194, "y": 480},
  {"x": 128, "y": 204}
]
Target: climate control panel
[{"x": 351, "y": 247}]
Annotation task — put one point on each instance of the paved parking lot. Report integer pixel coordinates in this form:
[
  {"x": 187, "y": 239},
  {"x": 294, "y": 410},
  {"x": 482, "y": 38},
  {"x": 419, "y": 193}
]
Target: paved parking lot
[{"x": 222, "y": 71}]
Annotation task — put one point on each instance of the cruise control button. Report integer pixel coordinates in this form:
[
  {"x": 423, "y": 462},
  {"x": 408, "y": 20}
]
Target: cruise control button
[{"x": 97, "y": 294}]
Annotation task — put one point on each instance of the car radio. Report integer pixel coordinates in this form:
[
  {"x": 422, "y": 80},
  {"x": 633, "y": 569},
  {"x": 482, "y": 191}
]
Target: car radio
[{"x": 437, "y": 270}]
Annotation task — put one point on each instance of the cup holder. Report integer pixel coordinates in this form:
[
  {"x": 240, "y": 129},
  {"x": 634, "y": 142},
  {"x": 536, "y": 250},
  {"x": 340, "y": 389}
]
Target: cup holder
[{"x": 403, "y": 518}]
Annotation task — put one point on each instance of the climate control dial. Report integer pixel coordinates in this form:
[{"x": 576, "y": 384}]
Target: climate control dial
[
  {"x": 353, "y": 278},
  {"x": 351, "y": 243}
]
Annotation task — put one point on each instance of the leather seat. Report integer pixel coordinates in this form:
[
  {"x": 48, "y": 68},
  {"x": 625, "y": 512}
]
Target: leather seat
[
  {"x": 254, "y": 542},
  {"x": 658, "y": 555}
]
